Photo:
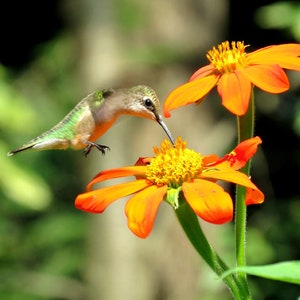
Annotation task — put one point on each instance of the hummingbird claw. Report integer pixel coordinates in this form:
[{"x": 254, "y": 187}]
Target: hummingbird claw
[{"x": 90, "y": 145}]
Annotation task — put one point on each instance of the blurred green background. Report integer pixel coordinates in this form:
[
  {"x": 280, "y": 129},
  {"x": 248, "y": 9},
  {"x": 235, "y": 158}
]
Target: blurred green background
[{"x": 52, "y": 54}]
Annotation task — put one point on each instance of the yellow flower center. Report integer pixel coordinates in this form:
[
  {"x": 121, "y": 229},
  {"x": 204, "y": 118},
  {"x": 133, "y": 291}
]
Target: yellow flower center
[
  {"x": 228, "y": 60},
  {"x": 173, "y": 165}
]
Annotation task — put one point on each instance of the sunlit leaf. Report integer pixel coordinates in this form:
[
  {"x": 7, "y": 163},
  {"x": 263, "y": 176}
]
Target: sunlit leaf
[{"x": 288, "y": 271}]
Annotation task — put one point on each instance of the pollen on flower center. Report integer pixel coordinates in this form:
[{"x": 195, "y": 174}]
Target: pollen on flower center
[
  {"x": 226, "y": 59},
  {"x": 174, "y": 165}
]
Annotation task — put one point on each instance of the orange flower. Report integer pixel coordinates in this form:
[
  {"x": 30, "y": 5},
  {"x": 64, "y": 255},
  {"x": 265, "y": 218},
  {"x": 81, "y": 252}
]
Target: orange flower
[
  {"x": 235, "y": 72},
  {"x": 175, "y": 174}
]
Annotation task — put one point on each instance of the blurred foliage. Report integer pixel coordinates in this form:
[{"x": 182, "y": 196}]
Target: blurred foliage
[
  {"x": 273, "y": 234},
  {"x": 41, "y": 234},
  {"x": 282, "y": 15}
]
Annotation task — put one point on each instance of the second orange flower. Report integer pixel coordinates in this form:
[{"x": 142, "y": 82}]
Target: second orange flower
[{"x": 234, "y": 72}]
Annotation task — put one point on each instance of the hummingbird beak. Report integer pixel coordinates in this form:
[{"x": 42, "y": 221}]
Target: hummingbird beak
[{"x": 165, "y": 128}]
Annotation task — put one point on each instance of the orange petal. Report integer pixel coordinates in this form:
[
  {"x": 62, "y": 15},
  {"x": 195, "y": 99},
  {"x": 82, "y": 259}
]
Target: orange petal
[
  {"x": 269, "y": 78},
  {"x": 96, "y": 201},
  {"x": 286, "y": 56},
  {"x": 235, "y": 91},
  {"x": 141, "y": 209},
  {"x": 209, "y": 201},
  {"x": 117, "y": 173},
  {"x": 238, "y": 157},
  {"x": 210, "y": 159},
  {"x": 254, "y": 196},
  {"x": 203, "y": 72},
  {"x": 230, "y": 175},
  {"x": 143, "y": 161},
  {"x": 245, "y": 151},
  {"x": 189, "y": 93}
]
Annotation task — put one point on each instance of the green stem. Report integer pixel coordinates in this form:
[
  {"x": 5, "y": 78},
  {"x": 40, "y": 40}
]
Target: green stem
[
  {"x": 193, "y": 230},
  {"x": 245, "y": 131}
]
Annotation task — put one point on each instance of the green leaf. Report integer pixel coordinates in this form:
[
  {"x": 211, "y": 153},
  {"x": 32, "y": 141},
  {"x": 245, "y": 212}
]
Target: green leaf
[{"x": 288, "y": 271}]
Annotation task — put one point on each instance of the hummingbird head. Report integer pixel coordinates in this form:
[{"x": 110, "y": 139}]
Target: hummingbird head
[{"x": 147, "y": 105}]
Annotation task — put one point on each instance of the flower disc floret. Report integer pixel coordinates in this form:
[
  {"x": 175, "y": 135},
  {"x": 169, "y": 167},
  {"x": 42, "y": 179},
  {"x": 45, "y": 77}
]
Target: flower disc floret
[
  {"x": 174, "y": 165},
  {"x": 226, "y": 59}
]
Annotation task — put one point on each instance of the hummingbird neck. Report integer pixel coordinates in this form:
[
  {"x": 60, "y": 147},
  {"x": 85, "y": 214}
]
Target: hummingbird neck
[{"x": 109, "y": 109}]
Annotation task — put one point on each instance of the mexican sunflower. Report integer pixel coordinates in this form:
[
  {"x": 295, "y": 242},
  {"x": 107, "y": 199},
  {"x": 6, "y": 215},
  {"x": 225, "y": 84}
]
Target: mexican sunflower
[
  {"x": 234, "y": 72},
  {"x": 175, "y": 174}
]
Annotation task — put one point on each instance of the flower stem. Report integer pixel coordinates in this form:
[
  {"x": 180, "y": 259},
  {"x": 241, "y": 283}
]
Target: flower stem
[
  {"x": 245, "y": 131},
  {"x": 193, "y": 230}
]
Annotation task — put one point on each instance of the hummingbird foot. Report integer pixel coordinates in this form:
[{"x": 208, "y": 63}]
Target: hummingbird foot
[{"x": 90, "y": 145}]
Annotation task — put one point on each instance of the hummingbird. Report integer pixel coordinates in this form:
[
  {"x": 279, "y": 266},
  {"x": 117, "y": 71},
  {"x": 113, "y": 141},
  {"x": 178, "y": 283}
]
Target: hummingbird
[{"x": 94, "y": 115}]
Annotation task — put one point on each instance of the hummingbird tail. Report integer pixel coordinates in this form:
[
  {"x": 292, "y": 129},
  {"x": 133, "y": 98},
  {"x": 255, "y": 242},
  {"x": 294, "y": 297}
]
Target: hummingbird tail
[{"x": 12, "y": 152}]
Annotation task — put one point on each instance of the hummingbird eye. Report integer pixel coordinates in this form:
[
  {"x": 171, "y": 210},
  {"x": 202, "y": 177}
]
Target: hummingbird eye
[{"x": 148, "y": 103}]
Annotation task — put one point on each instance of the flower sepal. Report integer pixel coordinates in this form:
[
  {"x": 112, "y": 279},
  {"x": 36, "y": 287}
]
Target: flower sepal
[{"x": 172, "y": 196}]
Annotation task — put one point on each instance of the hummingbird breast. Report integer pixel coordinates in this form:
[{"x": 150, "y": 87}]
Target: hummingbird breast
[{"x": 91, "y": 125}]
